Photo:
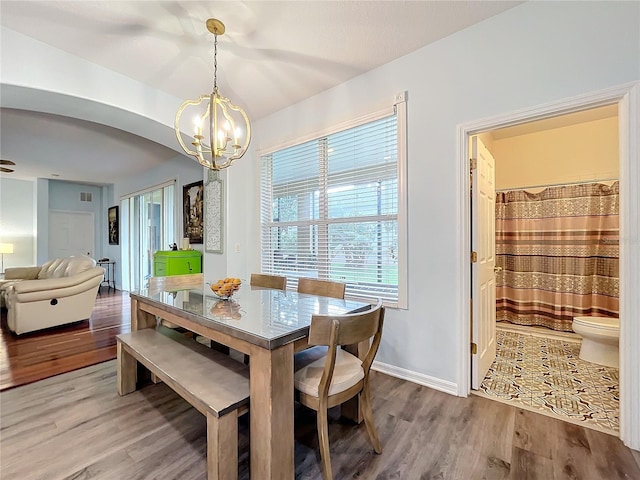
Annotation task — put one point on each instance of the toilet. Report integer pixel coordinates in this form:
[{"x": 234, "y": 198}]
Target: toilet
[{"x": 600, "y": 337}]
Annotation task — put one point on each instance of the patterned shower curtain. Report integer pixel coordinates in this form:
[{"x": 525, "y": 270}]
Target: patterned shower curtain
[{"x": 558, "y": 250}]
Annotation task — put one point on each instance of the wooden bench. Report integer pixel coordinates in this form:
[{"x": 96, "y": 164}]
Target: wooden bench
[{"x": 215, "y": 384}]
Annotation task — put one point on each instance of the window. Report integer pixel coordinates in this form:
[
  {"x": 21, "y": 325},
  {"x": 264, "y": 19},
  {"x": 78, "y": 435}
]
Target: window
[{"x": 331, "y": 208}]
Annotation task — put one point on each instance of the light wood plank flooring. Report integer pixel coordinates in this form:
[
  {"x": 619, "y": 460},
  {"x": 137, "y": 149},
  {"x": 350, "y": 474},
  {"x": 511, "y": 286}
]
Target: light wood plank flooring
[{"x": 75, "y": 426}]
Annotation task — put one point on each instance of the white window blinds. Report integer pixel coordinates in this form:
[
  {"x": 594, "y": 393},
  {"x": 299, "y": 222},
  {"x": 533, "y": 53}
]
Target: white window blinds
[{"x": 330, "y": 210}]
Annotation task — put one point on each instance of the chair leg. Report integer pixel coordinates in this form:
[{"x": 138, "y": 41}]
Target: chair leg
[
  {"x": 367, "y": 413},
  {"x": 323, "y": 440}
]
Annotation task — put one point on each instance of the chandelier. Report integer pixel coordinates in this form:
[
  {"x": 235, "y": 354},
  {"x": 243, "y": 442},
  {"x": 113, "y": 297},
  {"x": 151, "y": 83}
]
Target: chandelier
[{"x": 222, "y": 131}]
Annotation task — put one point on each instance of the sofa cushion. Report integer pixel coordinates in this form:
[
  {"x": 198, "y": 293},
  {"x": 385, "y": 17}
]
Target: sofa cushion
[
  {"x": 48, "y": 268},
  {"x": 79, "y": 264},
  {"x": 61, "y": 269}
]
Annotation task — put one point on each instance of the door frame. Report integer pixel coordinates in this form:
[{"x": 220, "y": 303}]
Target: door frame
[{"x": 627, "y": 97}]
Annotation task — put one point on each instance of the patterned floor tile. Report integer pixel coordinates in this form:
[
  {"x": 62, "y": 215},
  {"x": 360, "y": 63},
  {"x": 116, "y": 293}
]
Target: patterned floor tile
[{"x": 547, "y": 375}]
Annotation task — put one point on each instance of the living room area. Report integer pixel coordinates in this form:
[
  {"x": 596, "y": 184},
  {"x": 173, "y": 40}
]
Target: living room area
[{"x": 50, "y": 205}]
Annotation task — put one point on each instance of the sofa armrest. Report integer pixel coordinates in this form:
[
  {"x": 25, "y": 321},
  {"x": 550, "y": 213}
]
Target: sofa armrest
[
  {"x": 36, "y": 290},
  {"x": 21, "y": 273}
]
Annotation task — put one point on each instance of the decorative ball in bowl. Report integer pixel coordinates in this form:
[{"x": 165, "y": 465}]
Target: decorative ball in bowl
[{"x": 225, "y": 288}]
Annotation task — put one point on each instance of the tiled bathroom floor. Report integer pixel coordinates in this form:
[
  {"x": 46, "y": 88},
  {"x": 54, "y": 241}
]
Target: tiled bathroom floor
[{"x": 545, "y": 375}]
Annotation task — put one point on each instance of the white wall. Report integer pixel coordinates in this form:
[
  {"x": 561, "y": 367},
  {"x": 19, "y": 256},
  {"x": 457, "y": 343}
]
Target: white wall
[
  {"x": 536, "y": 53},
  {"x": 17, "y": 225},
  {"x": 42, "y": 220}
]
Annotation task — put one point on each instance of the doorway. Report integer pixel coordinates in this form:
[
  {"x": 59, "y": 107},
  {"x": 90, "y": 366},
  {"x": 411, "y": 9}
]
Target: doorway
[
  {"x": 556, "y": 258},
  {"x": 70, "y": 234},
  {"x": 627, "y": 97}
]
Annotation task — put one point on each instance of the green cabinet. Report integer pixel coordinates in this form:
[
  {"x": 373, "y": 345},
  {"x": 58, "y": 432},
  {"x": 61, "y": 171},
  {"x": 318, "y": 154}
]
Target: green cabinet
[{"x": 176, "y": 262}]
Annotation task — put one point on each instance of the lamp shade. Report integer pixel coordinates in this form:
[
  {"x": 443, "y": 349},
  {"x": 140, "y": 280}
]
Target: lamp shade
[{"x": 6, "y": 247}]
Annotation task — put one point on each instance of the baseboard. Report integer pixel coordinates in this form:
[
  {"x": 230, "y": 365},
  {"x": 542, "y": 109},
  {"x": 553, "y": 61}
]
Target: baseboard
[{"x": 419, "y": 378}]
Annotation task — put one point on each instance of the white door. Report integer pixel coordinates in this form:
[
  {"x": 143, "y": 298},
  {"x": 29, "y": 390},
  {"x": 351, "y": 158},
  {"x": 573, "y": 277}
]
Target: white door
[
  {"x": 483, "y": 289},
  {"x": 70, "y": 233}
]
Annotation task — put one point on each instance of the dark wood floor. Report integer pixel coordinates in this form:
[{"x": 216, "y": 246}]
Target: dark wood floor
[
  {"x": 34, "y": 356},
  {"x": 75, "y": 426}
]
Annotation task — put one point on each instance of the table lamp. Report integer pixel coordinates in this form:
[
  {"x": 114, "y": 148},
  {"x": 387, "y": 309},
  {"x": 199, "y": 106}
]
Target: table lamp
[{"x": 5, "y": 248}]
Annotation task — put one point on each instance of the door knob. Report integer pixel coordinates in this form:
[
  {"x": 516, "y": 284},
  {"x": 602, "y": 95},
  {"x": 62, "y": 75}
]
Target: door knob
[{"x": 497, "y": 269}]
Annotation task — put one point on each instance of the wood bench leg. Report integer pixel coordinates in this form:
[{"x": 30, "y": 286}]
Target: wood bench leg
[
  {"x": 127, "y": 370},
  {"x": 222, "y": 446}
]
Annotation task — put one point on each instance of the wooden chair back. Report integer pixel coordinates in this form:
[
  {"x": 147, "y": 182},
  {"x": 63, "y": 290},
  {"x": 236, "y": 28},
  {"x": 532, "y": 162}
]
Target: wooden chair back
[
  {"x": 337, "y": 330},
  {"x": 322, "y": 288},
  {"x": 175, "y": 282},
  {"x": 275, "y": 282}
]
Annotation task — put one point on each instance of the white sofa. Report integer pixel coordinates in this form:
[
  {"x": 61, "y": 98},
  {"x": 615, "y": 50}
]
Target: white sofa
[{"x": 64, "y": 292}]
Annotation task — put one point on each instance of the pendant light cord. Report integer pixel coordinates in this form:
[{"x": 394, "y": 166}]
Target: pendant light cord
[{"x": 215, "y": 62}]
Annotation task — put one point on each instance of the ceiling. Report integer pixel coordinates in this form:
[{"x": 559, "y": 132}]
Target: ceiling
[{"x": 273, "y": 55}]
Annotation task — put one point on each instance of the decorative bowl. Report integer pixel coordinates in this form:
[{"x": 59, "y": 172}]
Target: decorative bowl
[{"x": 225, "y": 288}]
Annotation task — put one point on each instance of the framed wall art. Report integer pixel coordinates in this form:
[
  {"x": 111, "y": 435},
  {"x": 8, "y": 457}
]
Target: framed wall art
[
  {"x": 114, "y": 226},
  {"x": 214, "y": 208},
  {"x": 192, "y": 216}
]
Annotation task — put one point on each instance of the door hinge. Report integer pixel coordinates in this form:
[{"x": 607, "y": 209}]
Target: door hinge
[
  {"x": 474, "y": 257},
  {"x": 474, "y": 349},
  {"x": 473, "y": 164}
]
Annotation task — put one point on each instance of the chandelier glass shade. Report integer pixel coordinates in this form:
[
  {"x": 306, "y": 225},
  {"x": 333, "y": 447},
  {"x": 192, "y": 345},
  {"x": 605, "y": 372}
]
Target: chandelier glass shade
[{"x": 221, "y": 131}]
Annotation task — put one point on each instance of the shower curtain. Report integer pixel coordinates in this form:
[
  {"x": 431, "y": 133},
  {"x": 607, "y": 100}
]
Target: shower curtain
[{"x": 558, "y": 250}]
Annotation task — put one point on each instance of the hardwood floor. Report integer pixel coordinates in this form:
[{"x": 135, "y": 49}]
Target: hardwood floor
[
  {"x": 34, "y": 356},
  {"x": 75, "y": 426}
]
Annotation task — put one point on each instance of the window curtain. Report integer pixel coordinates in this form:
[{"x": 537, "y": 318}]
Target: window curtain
[{"x": 559, "y": 254}]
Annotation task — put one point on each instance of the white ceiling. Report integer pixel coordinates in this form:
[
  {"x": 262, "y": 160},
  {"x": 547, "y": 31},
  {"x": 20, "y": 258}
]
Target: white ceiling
[{"x": 272, "y": 55}]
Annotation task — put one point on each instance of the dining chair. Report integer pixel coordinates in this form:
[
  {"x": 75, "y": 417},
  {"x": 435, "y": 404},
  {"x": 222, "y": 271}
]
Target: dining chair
[
  {"x": 174, "y": 282},
  {"x": 322, "y": 288},
  {"x": 181, "y": 282},
  {"x": 339, "y": 376},
  {"x": 275, "y": 282}
]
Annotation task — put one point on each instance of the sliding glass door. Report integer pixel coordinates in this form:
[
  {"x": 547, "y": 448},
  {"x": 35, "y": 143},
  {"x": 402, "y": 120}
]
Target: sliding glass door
[{"x": 150, "y": 227}]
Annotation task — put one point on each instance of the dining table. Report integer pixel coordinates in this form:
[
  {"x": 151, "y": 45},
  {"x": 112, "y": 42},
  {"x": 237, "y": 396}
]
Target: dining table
[{"x": 269, "y": 326}]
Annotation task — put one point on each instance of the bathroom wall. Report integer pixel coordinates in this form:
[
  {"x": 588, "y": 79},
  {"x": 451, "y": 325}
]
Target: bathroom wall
[{"x": 583, "y": 152}]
